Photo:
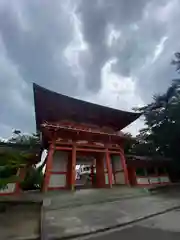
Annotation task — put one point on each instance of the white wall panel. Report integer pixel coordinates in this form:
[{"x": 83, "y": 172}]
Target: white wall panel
[
  {"x": 60, "y": 160},
  {"x": 120, "y": 179},
  {"x": 154, "y": 180},
  {"x": 117, "y": 163},
  {"x": 106, "y": 178},
  {"x": 57, "y": 180},
  {"x": 142, "y": 180},
  {"x": 10, "y": 188},
  {"x": 164, "y": 179}
]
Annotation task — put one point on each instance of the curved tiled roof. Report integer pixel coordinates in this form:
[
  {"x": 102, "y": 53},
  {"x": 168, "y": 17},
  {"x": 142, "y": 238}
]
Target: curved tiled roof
[{"x": 53, "y": 107}]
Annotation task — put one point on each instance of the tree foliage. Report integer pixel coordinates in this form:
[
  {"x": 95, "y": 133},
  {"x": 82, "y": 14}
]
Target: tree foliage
[
  {"x": 10, "y": 162},
  {"x": 33, "y": 179},
  {"x": 128, "y": 143},
  {"x": 26, "y": 139},
  {"x": 161, "y": 136},
  {"x": 13, "y": 158}
]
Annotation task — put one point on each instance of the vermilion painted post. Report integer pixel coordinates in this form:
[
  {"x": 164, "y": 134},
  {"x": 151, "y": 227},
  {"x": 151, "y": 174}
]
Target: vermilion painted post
[
  {"x": 48, "y": 168},
  {"x": 68, "y": 174},
  {"x": 122, "y": 157},
  {"x": 73, "y": 170},
  {"x": 109, "y": 168}
]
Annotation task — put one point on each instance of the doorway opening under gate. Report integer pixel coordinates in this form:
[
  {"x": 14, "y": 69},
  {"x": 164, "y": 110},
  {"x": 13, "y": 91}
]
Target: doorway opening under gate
[{"x": 89, "y": 170}]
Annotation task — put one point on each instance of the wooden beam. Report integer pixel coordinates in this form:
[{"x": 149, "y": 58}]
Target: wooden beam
[
  {"x": 112, "y": 151},
  {"x": 90, "y": 150},
  {"x": 63, "y": 148}
]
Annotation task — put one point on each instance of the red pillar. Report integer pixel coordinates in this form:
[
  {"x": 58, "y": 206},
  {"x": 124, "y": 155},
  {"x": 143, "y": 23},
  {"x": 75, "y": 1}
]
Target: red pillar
[
  {"x": 100, "y": 178},
  {"x": 109, "y": 168},
  {"x": 69, "y": 168},
  {"x": 73, "y": 168},
  {"x": 122, "y": 157},
  {"x": 48, "y": 167},
  {"x": 132, "y": 176}
]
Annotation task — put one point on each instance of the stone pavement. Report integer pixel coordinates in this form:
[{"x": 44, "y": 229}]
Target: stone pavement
[
  {"x": 164, "y": 226},
  {"x": 25, "y": 209},
  {"x": 136, "y": 232},
  {"x": 20, "y": 221},
  {"x": 65, "y": 214},
  {"x": 57, "y": 200},
  {"x": 69, "y": 222},
  {"x": 63, "y": 199}
]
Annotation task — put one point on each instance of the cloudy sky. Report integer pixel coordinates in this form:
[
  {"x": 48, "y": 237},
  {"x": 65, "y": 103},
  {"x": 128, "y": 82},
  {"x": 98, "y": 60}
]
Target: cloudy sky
[{"x": 112, "y": 52}]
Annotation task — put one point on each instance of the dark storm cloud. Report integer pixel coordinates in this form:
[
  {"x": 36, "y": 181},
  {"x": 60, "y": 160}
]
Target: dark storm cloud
[
  {"x": 96, "y": 17},
  {"x": 35, "y": 34},
  {"x": 94, "y": 23},
  {"x": 156, "y": 76},
  {"x": 141, "y": 28},
  {"x": 138, "y": 45},
  {"x": 37, "y": 47}
]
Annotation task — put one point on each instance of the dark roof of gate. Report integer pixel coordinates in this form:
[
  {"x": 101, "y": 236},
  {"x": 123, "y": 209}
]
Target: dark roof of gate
[{"x": 53, "y": 107}]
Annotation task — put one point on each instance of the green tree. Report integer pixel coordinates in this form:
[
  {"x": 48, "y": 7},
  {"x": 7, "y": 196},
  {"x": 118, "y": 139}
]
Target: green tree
[
  {"x": 176, "y": 61},
  {"x": 161, "y": 136},
  {"x": 10, "y": 162},
  {"x": 12, "y": 157},
  {"x": 26, "y": 139},
  {"x": 162, "y": 118},
  {"x": 128, "y": 143},
  {"x": 34, "y": 175}
]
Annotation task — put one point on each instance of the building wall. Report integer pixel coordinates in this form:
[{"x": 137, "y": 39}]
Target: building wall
[
  {"x": 149, "y": 179},
  {"x": 118, "y": 169},
  {"x": 142, "y": 181},
  {"x": 58, "y": 177},
  {"x": 13, "y": 187},
  {"x": 106, "y": 173},
  {"x": 107, "y": 178},
  {"x": 120, "y": 179},
  {"x": 164, "y": 179},
  {"x": 10, "y": 189}
]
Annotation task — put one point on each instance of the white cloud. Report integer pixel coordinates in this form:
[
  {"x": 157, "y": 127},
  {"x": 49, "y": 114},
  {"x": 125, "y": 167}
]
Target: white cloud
[
  {"x": 159, "y": 48},
  {"x": 166, "y": 12},
  {"x": 6, "y": 131},
  {"x": 120, "y": 93},
  {"x": 112, "y": 35}
]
